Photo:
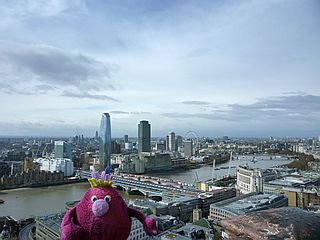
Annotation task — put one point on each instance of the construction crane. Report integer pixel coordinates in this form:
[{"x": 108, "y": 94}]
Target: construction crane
[{"x": 44, "y": 150}]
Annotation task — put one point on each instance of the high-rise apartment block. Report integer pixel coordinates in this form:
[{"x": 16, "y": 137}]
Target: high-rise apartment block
[
  {"x": 62, "y": 149},
  {"x": 144, "y": 136},
  {"x": 105, "y": 141},
  {"x": 188, "y": 148},
  {"x": 178, "y": 142},
  {"x": 172, "y": 142}
]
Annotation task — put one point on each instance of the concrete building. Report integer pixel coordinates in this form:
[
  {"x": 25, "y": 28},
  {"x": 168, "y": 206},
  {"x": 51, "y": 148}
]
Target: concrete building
[
  {"x": 245, "y": 203},
  {"x": 172, "y": 142},
  {"x": 167, "y": 143},
  {"x": 128, "y": 146},
  {"x": 31, "y": 178},
  {"x": 181, "y": 206},
  {"x": 301, "y": 191},
  {"x": 144, "y": 136},
  {"x": 279, "y": 223},
  {"x": 178, "y": 142},
  {"x": 105, "y": 141},
  {"x": 49, "y": 227},
  {"x": 196, "y": 214},
  {"x": 126, "y": 138},
  {"x": 156, "y": 161},
  {"x": 62, "y": 149},
  {"x": 188, "y": 148},
  {"x": 249, "y": 180},
  {"x": 160, "y": 147},
  {"x": 56, "y": 165}
]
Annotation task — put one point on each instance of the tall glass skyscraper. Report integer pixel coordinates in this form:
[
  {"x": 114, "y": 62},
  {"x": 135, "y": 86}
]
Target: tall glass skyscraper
[
  {"x": 62, "y": 149},
  {"x": 105, "y": 141},
  {"x": 144, "y": 137}
]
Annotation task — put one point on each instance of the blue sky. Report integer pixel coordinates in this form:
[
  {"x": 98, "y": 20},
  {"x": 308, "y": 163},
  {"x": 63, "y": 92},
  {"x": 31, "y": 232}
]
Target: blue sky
[{"x": 238, "y": 68}]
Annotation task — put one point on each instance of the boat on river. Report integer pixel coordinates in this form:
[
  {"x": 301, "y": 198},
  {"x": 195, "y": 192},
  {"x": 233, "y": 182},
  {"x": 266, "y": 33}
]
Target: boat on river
[{"x": 1, "y": 201}]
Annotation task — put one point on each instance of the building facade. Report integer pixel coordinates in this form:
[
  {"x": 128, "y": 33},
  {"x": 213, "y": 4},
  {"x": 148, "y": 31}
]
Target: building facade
[
  {"x": 64, "y": 165},
  {"x": 172, "y": 142},
  {"x": 245, "y": 203},
  {"x": 188, "y": 148},
  {"x": 105, "y": 141},
  {"x": 144, "y": 136},
  {"x": 62, "y": 149},
  {"x": 249, "y": 180}
]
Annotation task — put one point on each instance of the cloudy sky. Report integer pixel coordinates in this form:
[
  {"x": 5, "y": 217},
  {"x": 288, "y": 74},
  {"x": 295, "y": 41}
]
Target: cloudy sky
[{"x": 237, "y": 68}]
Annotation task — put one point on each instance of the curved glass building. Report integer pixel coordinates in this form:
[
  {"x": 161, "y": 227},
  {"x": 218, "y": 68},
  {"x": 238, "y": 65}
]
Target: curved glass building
[{"x": 105, "y": 141}]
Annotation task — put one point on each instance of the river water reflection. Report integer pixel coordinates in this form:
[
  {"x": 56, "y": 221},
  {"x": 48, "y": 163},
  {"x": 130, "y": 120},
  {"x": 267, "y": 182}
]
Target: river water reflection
[{"x": 22, "y": 203}]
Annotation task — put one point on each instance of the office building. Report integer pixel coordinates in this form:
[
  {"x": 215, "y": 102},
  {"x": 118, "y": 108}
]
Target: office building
[
  {"x": 49, "y": 227},
  {"x": 172, "y": 142},
  {"x": 126, "y": 138},
  {"x": 249, "y": 180},
  {"x": 167, "y": 143},
  {"x": 156, "y": 161},
  {"x": 178, "y": 142},
  {"x": 144, "y": 137},
  {"x": 160, "y": 147},
  {"x": 301, "y": 190},
  {"x": 64, "y": 165},
  {"x": 62, "y": 149},
  {"x": 137, "y": 231},
  {"x": 245, "y": 203},
  {"x": 188, "y": 148},
  {"x": 105, "y": 141}
]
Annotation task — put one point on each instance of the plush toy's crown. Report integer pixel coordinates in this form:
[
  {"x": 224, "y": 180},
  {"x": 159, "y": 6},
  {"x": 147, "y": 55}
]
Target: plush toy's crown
[{"x": 101, "y": 180}]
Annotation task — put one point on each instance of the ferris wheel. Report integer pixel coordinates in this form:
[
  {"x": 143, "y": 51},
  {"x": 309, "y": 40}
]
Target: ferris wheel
[{"x": 192, "y": 136}]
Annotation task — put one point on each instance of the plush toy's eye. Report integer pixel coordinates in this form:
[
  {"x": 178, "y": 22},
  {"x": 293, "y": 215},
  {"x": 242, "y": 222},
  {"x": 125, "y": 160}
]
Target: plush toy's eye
[
  {"x": 107, "y": 198},
  {"x": 94, "y": 198}
]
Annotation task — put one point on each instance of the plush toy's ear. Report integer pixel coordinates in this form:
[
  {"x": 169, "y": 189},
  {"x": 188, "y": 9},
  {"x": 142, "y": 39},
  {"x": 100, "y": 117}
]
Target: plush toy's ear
[{"x": 70, "y": 227}]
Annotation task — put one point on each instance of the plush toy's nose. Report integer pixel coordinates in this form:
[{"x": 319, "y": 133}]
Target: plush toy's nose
[{"x": 100, "y": 207}]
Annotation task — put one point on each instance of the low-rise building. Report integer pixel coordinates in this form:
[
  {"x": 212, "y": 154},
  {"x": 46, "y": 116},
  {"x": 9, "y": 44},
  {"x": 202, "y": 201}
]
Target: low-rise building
[
  {"x": 245, "y": 203},
  {"x": 280, "y": 223},
  {"x": 48, "y": 227},
  {"x": 301, "y": 191},
  {"x": 64, "y": 165},
  {"x": 251, "y": 179},
  {"x": 156, "y": 161}
]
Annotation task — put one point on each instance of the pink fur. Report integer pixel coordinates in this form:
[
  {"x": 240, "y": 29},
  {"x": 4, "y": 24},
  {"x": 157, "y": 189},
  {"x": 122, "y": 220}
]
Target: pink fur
[{"x": 107, "y": 221}]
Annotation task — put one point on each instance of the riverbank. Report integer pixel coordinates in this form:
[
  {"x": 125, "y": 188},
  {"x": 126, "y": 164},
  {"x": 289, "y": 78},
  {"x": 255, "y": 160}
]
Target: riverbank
[{"x": 38, "y": 185}]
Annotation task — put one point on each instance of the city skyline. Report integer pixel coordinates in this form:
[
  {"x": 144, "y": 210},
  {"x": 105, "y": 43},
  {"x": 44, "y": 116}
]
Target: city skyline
[{"x": 244, "y": 69}]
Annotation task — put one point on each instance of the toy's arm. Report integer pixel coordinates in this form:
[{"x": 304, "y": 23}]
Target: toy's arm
[
  {"x": 70, "y": 228},
  {"x": 149, "y": 224}
]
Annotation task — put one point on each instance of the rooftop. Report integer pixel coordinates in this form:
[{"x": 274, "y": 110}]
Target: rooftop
[
  {"x": 278, "y": 223},
  {"x": 52, "y": 220},
  {"x": 243, "y": 204}
]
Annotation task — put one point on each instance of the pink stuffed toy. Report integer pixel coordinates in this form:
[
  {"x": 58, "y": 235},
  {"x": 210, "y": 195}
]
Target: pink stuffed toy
[{"x": 102, "y": 214}]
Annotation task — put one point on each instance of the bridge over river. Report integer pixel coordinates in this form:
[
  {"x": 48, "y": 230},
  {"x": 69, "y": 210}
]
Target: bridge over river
[{"x": 151, "y": 187}]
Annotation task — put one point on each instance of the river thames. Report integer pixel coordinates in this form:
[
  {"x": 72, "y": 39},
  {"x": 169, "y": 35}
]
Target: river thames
[{"x": 27, "y": 202}]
